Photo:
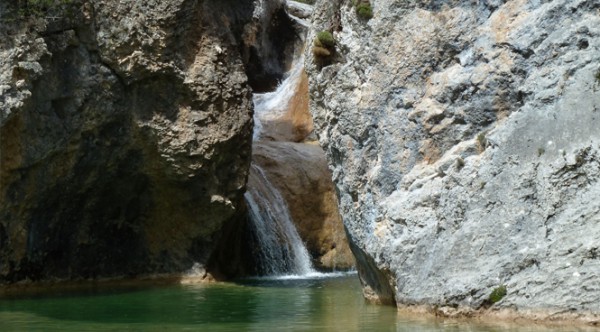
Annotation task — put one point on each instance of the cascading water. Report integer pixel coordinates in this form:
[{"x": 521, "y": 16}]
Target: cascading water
[
  {"x": 272, "y": 106},
  {"x": 280, "y": 251}
]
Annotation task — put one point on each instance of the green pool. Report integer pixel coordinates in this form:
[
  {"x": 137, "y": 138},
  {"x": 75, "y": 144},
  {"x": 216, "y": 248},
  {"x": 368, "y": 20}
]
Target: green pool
[{"x": 333, "y": 303}]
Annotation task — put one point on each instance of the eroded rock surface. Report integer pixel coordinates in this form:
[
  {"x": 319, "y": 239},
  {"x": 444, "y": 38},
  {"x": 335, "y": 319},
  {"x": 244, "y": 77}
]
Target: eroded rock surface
[
  {"x": 125, "y": 137},
  {"x": 464, "y": 142}
]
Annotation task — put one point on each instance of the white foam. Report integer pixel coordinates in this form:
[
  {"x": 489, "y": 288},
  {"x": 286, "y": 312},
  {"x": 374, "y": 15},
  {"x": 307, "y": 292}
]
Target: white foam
[{"x": 308, "y": 276}]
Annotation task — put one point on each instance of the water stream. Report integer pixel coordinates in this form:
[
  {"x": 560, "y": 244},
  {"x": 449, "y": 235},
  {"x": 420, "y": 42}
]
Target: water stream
[
  {"x": 272, "y": 106},
  {"x": 280, "y": 249}
]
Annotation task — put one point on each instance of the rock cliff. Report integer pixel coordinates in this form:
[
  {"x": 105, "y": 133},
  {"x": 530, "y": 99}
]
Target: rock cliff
[
  {"x": 125, "y": 136},
  {"x": 463, "y": 138}
]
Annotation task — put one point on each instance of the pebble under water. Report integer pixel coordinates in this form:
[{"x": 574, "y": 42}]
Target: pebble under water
[{"x": 321, "y": 303}]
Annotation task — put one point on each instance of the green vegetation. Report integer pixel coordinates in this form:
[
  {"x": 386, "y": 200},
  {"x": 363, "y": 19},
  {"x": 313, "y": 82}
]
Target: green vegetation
[
  {"x": 326, "y": 39},
  {"x": 364, "y": 9},
  {"x": 598, "y": 76},
  {"x": 324, "y": 47},
  {"x": 497, "y": 294}
]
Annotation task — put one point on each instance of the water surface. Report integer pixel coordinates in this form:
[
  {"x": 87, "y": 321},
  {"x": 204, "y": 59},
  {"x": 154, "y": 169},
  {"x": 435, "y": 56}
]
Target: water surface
[{"x": 287, "y": 304}]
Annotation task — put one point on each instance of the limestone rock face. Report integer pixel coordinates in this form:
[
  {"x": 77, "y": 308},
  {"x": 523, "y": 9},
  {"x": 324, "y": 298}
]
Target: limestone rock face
[
  {"x": 463, "y": 138},
  {"x": 125, "y": 137}
]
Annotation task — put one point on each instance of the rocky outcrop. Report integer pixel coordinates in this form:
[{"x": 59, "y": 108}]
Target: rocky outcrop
[
  {"x": 125, "y": 137},
  {"x": 464, "y": 146}
]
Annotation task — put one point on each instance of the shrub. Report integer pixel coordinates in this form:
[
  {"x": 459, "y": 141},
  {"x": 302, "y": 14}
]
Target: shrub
[
  {"x": 497, "y": 294},
  {"x": 326, "y": 39},
  {"x": 324, "y": 47},
  {"x": 364, "y": 11}
]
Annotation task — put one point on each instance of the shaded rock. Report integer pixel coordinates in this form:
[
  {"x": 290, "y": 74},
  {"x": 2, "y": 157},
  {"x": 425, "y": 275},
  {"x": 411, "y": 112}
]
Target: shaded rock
[
  {"x": 269, "y": 44},
  {"x": 125, "y": 136},
  {"x": 463, "y": 142}
]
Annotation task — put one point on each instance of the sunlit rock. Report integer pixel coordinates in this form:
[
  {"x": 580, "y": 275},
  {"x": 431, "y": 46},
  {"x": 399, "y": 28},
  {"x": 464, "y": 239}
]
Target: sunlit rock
[{"x": 464, "y": 144}]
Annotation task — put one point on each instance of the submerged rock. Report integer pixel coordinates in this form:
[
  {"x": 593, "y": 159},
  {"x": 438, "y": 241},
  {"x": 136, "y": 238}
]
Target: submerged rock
[
  {"x": 463, "y": 138},
  {"x": 125, "y": 137}
]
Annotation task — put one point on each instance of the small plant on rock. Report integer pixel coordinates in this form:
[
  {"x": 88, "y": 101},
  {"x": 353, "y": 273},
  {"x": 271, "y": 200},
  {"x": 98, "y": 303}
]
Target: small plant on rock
[
  {"x": 323, "y": 47},
  {"x": 326, "y": 39},
  {"x": 541, "y": 151},
  {"x": 364, "y": 9},
  {"x": 497, "y": 294},
  {"x": 481, "y": 141}
]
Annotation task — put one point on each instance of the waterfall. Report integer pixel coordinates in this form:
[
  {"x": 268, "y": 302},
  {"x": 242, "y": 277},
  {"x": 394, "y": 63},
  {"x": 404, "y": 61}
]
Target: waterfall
[
  {"x": 272, "y": 106},
  {"x": 280, "y": 249}
]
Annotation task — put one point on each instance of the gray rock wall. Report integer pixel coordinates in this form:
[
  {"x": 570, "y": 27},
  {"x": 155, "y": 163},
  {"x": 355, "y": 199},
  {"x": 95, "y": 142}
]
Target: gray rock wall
[
  {"x": 125, "y": 137},
  {"x": 464, "y": 143}
]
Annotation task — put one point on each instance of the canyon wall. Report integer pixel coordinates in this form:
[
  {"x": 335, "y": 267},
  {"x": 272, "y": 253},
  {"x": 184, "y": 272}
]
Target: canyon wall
[
  {"x": 464, "y": 144},
  {"x": 125, "y": 135}
]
